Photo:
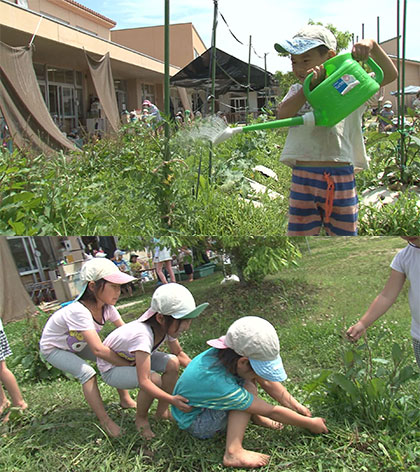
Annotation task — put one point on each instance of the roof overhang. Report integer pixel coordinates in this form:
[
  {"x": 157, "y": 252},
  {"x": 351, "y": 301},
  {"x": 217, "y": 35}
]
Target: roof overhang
[{"x": 62, "y": 45}]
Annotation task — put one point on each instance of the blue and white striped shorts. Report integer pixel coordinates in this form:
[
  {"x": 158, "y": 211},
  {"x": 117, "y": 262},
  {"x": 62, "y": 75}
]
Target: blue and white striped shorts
[{"x": 323, "y": 196}]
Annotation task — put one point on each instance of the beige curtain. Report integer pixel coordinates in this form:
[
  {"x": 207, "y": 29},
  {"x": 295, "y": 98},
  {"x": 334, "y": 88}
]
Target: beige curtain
[
  {"x": 104, "y": 85},
  {"x": 184, "y": 98},
  {"x": 23, "y": 106},
  {"x": 15, "y": 301}
]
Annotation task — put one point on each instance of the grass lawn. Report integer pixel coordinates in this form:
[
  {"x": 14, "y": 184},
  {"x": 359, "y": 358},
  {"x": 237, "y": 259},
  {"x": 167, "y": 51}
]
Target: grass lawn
[{"x": 310, "y": 306}]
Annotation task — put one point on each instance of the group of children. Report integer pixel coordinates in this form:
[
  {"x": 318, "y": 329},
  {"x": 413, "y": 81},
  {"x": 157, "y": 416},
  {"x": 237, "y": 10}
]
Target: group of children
[{"x": 218, "y": 389}]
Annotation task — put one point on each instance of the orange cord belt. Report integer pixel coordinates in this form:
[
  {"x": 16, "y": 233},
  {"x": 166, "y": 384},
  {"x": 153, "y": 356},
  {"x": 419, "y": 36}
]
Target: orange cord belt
[{"x": 329, "y": 200}]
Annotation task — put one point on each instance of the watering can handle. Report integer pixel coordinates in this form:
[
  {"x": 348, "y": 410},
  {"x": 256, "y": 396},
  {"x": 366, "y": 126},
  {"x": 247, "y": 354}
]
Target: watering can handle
[{"x": 379, "y": 74}]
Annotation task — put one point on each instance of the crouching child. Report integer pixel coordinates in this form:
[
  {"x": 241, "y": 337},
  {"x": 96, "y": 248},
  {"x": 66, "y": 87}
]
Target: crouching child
[{"x": 221, "y": 386}]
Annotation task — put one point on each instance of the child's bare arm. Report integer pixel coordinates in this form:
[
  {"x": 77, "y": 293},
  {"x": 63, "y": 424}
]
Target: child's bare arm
[
  {"x": 291, "y": 106},
  {"x": 279, "y": 393},
  {"x": 177, "y": 350},
  {"x": 369, "y": 47},
  {"x": 143, "y": 368},
  {"x": 379, "y": 306},
  {"x": 286, "y": 416}
]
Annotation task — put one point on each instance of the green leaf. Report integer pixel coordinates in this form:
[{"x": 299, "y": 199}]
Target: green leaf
[
  {"x": 397, "y": 353},
  {"x": 346, "y": 384}
]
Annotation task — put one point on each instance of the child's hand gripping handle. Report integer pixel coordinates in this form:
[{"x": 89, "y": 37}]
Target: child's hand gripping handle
[{"x": 379, "y": 74}]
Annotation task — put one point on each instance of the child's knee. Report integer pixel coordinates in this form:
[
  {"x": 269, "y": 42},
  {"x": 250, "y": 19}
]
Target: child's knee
[
  {"x": 172, "y": 367},
  {"x": 156, "y": 379},
  {"x": 86, "y": 373}
]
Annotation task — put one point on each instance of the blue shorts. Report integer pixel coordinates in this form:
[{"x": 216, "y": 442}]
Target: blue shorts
[
  {"x": 208, "y": 423},
  {"x": 323, "y": 196}
]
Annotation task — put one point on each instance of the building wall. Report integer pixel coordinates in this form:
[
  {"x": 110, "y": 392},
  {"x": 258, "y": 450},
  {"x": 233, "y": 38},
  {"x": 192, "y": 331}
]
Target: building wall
[
  {"x": 150, "y": 40},
  {"x": 412, "y": 74}
]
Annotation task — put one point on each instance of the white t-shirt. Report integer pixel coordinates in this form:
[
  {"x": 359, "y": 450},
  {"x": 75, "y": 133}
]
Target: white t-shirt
[
  {"x": 340, "y": 143},
  {"x": 407, "y": 261},
  {"x": 63, "y": 328},
  {"x": 126, "y": 340}
]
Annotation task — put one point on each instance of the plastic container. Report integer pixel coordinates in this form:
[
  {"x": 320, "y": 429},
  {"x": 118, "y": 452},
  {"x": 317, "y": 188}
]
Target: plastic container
[{"x": 346, "y": 87}]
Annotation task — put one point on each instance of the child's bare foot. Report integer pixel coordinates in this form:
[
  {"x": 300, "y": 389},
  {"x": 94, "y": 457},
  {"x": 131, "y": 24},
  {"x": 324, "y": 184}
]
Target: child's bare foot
[
  {"x": 128, "y": 403},
  {"x": 4, "y": 406},
  {"x": 266, "y": 422},
  {"x": 22, "y": 405},
  {"x": 166, "y": 415},
  {"x": 143, "y": 427},
  {"x": 244, "y": 458},
  {"x": 111, "y": 428}
]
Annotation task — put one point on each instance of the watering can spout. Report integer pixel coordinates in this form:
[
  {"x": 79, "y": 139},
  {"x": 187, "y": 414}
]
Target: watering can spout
[{"x": 226, "y": 134}]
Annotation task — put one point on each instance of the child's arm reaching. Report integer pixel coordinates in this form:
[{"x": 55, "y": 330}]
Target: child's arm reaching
[
  {"x": 144, "y": 372},
  {"x": 379, "y": 306},
  {"x": 100, "y": 350},
  {"x": 279, "y": 393},
  {"x": 369, "y": 47},
  {"x": 286, "y": 416}
]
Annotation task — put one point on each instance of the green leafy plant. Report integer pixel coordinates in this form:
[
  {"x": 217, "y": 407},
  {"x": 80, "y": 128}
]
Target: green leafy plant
[
  {"x": 367, "y": 389},
  {"x": 30, "y": 358}
]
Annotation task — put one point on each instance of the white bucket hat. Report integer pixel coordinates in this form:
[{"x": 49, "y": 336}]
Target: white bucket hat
[
  {"x": 173, "y": 300},
  {"x": 307, "y": 38},
  {"x": 101, "y": 268},
  {"x": 255, "y": 338}
]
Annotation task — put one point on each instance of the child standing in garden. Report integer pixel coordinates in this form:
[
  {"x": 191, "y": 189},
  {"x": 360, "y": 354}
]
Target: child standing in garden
[
  {"x": 323, "y": 159},
  {"x": 8, "y": 380},
  {"x": 171, "y": 312},
  {"x": 405, "y": 265},
  {"x": 221, "y": 386},
  {"x": 70, "y": 337}
]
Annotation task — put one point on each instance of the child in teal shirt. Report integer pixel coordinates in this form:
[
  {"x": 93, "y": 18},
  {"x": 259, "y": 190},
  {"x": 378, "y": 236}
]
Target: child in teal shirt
[{"x": 221, "y": 386}]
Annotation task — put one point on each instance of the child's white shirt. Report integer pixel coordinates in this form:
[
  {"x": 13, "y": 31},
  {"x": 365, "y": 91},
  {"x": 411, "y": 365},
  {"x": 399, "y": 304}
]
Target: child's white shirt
[
  {"x": 62, "y": 330},
  {"x": 126, "y": 340},
  {"x": 340, "y": 143},
  {"x": 407, "y": 261}
]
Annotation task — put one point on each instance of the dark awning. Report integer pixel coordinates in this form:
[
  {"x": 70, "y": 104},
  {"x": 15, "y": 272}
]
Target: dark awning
[{"x": 231, "y": 74}]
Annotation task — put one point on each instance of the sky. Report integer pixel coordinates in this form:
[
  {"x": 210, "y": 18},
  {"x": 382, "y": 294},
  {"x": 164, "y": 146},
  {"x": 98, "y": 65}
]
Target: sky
[{"x": 267, "y": 21}]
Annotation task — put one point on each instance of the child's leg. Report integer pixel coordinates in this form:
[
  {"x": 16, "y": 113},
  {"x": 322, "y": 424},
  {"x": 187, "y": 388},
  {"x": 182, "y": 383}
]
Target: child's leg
[
  {"x": 10, "y": 384},
  {"x": 144, "y": 401},
  {"x": 235, "y": 455},
  {"x": 168, "y": 266},
  {"x": 340, "y": 217},
  {"x": 78, "y": 367},
  {"x": 159, "y": 272},
  {"x": 93, "y": 397},
  {"x": 304, "y": 215},
  {"x": 125, "y": 399},
  {"x": 4, "y": 402},
  {"x": 169, "y": 378}
]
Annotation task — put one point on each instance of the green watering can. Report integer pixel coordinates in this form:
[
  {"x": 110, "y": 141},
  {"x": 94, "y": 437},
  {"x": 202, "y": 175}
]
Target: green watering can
[{"x": 346, "y": 87}]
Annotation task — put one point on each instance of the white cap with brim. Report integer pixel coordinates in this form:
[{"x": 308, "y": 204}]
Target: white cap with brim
[
  {"x": 101, "y": 268},
  {"x": 173, "y": 300},
  {"x": 256, "y": 339},
  {"x": 307, "y": 38}
]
